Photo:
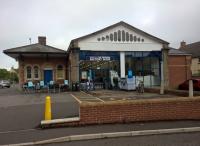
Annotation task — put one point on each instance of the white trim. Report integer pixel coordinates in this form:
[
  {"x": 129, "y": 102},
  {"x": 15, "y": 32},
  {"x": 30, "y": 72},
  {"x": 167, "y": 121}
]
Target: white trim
[
  {"x": 25, "y": 72},
  {"x": 39, "y": 73}
]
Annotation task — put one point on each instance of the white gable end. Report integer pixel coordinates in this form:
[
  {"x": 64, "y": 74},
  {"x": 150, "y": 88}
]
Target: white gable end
[{"x": 119, "y": 38}]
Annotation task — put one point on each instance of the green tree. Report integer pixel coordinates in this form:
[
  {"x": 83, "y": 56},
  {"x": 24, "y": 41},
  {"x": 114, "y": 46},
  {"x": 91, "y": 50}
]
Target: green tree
[{"x": 9, "y": 75}]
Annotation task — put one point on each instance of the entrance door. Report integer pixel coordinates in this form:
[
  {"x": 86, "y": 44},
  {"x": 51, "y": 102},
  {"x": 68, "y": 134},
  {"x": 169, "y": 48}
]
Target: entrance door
[{"x": 48, "y": 76}]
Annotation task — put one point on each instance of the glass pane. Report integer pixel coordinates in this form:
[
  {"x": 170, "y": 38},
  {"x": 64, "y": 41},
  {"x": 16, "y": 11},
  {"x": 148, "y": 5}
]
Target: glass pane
[
  {"x": 36, "y": 70},
  {"x": 28, "y": 72}
]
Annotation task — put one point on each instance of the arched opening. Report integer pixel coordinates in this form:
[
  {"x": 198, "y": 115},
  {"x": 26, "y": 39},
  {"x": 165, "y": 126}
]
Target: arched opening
[
  {"x": 36, "y": 72},
  {"x": 28, "y": 72},
  {"x": 60, "y": 72}
]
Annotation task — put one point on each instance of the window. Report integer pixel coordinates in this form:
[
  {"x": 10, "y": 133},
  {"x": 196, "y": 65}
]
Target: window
[
  {"x": 123, "y": 35},
  {"x": 111, "y": 37},
  {"x": 119, "y": 35},
  {"x": 28, "y": 72},
  {"x": 127, "y": 36},
  {"x": 60, "y": 73},
  {"x": 115, "y": 36},
  {"x": 36, "y": 72}
]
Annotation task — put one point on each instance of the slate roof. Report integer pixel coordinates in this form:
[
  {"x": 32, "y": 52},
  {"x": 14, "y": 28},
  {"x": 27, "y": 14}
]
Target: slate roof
[
  {"x": 34, "y": 48},
  {"x": 173, "y": 51},
  {"x": 193, "y": 49}
]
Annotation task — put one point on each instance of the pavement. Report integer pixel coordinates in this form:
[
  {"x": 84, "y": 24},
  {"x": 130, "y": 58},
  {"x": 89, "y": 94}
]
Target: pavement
[
  {"x": 29, "y": 135},
  {"x": 183, "y": 139}
]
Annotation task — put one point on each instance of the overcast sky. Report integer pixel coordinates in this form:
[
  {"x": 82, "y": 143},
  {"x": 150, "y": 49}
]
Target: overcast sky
[{"x": 62, "y": 20}]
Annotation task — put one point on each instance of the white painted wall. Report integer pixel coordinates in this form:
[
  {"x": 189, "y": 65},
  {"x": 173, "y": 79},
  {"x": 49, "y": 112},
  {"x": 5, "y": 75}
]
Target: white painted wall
[{"x": 93, "y": 44}]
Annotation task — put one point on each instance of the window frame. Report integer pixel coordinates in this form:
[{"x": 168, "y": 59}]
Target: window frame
[
  {"x": 26, "y": 72},
  {"x": 58, "y": 70},
  {"x": 37, "y": 72}
]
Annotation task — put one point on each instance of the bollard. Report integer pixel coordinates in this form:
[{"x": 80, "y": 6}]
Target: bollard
[
  {"x": 48, "y": 108},
  {"x": 190, "y": 88}
]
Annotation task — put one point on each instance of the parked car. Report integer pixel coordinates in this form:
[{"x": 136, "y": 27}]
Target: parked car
[
  {"x": 185, "y": 85},
  {"x": 4, "y": 83}
]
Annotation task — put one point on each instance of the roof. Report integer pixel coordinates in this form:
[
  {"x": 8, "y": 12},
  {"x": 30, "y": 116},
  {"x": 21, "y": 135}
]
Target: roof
[
  {"x": 123, "y": 24},
  {"x": 173, "y": 51},
  {"x": 193, "y": 48},
  {"x": 34, "y": 50}
]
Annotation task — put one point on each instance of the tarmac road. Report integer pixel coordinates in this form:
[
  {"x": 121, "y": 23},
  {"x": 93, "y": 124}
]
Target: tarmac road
[
  {"x": 20, "y": 111},
  {"x": 13, "y": 137},
  {"x": 183, "y": 139}
]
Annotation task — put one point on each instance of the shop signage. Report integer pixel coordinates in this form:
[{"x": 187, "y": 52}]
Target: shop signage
[{"x": 99, "y": 58}]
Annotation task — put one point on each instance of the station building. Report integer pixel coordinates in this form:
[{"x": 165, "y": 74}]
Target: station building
[
  {"x": 119, "y": 48},
  {"x": 110, "y": 52}
]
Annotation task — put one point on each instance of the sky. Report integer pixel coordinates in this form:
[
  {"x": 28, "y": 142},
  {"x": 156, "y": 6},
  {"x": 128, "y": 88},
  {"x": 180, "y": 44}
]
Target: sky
[{"x": 63, "y": 20}]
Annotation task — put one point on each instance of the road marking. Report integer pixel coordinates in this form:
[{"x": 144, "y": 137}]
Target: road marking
[
  {"x": 100, "y": 99},
  {"x": 79, "y": 101},
  {"x": 13, "y": 131},
  {"x": 94, "y": 97}
]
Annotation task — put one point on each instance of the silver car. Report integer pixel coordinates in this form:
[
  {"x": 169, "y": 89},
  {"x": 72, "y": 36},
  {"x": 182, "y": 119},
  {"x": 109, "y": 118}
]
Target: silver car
[{"x": 4, "y": 83}]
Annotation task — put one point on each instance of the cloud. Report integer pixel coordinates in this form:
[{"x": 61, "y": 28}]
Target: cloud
[{"x": 63, "y": 20}]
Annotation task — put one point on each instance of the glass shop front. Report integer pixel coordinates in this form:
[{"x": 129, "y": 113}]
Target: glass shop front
[{"x": 102, "y": 68}]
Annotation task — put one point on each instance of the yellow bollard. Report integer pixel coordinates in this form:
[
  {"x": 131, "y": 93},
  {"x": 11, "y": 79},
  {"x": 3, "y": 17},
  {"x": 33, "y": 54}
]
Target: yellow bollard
[{"x": 48, "y": 108}]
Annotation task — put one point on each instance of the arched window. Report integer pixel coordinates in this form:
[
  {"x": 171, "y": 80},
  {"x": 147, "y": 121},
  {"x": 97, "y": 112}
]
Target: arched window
[
  {"x": 60, "y": 72},
  {"x": 115, "y": 36},
  {"x": 36, "y": 72},
  {"x": 127, "y": 36},
  {"x": 28, "y": 72}
]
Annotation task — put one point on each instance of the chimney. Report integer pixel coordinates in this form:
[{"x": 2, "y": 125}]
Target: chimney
[
  {"x": 182, "y": 44},
  {"x": 42, "y": 40}
]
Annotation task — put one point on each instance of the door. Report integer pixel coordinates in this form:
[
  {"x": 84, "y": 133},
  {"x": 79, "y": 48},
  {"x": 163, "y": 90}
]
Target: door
[{"x": 48, "y": 76}]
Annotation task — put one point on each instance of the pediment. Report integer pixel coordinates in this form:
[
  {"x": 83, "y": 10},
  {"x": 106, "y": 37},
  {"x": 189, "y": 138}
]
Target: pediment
[{"x": 120, "y": 33}]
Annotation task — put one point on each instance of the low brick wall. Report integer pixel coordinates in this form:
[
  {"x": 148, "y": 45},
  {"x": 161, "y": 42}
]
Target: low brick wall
[
  {"x": 140, "y": 110},
  {"x": 179, "y": 108}
]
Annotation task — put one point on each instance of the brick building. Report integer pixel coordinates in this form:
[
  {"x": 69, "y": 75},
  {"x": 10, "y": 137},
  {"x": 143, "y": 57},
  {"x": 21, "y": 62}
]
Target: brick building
[
  {"x": 40, "y": 62},
  {"x": 179, "y": 64},
  {"x": 114, "y": 51},
  {"x": 194, "y": 50}
]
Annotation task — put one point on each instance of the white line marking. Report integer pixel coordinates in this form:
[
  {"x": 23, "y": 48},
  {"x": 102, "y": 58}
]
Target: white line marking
[
  {"x": 79, "y": 101},
  {"x": 13, "y": 131},
  {"x": 94, "y": 97}
]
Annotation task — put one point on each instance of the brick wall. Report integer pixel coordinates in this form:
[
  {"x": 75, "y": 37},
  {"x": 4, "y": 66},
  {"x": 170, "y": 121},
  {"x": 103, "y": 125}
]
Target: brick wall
[
  {"x": 42, "y": 63},
  {"x": 179, "y": 69},
  {"x": 74, "y": 65},
  {"x": 140, "y": 110}
]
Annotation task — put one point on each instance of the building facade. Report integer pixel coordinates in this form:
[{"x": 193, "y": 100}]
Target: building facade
[
  {"x": 119, "y": 48},
  {"x": 194, "y": 50},
  {"x": 117, "y": 51},
  {"x": 40, "y": 62}
]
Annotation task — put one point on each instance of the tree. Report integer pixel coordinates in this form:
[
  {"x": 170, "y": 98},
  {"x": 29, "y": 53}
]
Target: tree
[{"x": 9, "y": 75}]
